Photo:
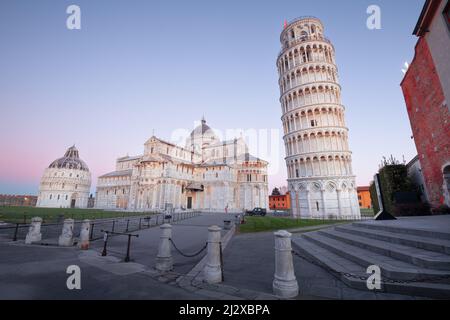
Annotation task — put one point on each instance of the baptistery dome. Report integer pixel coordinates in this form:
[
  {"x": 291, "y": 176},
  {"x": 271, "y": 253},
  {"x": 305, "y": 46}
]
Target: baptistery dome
[
  {"x": 71, "y": 160},
  {"x": 66, "y": 183}
]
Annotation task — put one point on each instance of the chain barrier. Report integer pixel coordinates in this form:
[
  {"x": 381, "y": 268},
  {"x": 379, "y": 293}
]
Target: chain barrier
[
  {"x": 365, "y": 278},
  {"x": 189, "y": 255}
]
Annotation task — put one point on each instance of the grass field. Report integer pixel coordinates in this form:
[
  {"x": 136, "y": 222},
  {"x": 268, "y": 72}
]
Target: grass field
[
  {"x": 367, "y": 212},
  {"x": 260, "y": 224},
  {"x": 24, "y": 214}
]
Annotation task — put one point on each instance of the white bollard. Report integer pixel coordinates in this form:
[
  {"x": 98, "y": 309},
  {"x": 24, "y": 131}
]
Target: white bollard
[
  {"x": 164, "y": 260},
  {"x": 66, "y": 237},
  {"x": 34, "y": 232},
  {"x": 84, "y": 235},
  {"x": 213, "y": 268},
  {"x": 285, "y": 284}
]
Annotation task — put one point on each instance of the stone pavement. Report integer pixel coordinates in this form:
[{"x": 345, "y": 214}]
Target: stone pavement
[
  {"x": 249, "y": 262},
  {"x": 39, "y": 272}
]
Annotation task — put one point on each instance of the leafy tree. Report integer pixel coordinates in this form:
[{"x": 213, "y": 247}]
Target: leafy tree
[{"x": 276, "y": 192}]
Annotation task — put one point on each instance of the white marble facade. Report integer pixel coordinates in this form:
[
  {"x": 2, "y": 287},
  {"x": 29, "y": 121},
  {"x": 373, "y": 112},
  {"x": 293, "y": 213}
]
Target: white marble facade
[
  {"x": 66, "y": 183},
  {"x": 319, "y": 161},
  {"x": 206, "y": 174}
]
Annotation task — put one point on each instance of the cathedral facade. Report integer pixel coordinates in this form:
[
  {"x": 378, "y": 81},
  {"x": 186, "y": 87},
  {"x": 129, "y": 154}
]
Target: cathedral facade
[{"x": 207, "y": 174}]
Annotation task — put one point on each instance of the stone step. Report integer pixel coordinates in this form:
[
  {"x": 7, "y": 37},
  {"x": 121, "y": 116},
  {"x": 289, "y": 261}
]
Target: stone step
[
  {"x": 415, "y": 256},
  {"x": 391, "y": 268},
  {"x": 338, "y": 266},
  {"x": 375, "y": 225},
  {"x": 426, "y": 243}
]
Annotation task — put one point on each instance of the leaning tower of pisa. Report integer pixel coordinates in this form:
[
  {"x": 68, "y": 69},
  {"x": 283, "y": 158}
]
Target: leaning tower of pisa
[{"x": 318, "y": 159}]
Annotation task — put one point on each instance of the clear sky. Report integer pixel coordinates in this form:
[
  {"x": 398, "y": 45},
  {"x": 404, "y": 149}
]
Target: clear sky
[{"x": 138, "y": 66}]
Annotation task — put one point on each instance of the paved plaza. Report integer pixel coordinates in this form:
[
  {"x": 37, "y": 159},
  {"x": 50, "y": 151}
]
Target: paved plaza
[{"x": 39, "y": 272}]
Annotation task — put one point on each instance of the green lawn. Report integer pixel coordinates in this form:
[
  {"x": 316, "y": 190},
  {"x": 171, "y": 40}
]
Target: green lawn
[
  {"x": 259, "y": 224},
  {"x": 24, "y": 214},
  {"x": 367, "y": 212}
]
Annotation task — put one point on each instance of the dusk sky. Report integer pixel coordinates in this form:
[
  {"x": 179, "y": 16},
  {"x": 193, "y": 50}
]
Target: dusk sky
[{"x": 138, "y": 66}]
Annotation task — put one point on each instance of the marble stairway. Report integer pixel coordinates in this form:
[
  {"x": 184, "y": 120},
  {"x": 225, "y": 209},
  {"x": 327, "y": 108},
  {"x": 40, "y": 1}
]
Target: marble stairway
[{"x": 412, "y": 253}]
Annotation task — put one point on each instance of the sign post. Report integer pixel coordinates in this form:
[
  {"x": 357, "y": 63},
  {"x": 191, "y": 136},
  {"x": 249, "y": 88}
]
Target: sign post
[{"x": 383, "y": 214}]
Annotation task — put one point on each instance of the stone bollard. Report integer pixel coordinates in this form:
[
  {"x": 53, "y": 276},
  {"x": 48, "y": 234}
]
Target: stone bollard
[
  {"x": 164, "y": 261},
  {"x": 66, "y": 237},
  {"x": 84, "y": 235},
  {"x": 227, "y": 224},
  {"x": 213, "y": 268},
  {"x": 34, "y": 232},
  {"x": 285, "y": 284}
]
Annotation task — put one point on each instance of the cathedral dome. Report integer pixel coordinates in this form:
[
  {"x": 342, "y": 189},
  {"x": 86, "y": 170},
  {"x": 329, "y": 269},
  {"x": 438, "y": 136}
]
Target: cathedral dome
[
  {"x": 71, "y": 160},
  {"x": 201, "y": 130}
]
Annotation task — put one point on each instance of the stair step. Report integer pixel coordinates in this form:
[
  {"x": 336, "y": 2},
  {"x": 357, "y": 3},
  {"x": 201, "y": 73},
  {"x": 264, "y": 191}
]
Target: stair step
[
  {"x": 415, "y": 256},
  {"x": 376, "y": 225},
  {"x": 436, "y": 245},
  {"x": 391, "y": 268},
  {"x": 338, "y": 266}
]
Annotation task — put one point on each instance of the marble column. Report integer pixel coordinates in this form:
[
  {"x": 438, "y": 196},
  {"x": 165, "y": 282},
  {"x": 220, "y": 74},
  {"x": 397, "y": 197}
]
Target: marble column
[
  {"x": 34, "y": 232},
  {"x": 213, "y": 268},
  {"x": 66, "y": 237},
  {"x": 285, "y": 283},
  {"x": 164, "y": 260}
]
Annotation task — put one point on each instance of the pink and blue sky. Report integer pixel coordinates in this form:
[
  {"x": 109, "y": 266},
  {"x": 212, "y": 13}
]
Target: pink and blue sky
[{"x": 138, "y": 66}]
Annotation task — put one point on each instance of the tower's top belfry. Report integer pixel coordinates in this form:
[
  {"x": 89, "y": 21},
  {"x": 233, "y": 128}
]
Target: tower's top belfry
[{"x": 301, "y": 29}]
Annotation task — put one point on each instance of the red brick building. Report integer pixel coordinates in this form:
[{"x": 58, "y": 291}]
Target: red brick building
[
  {"x": 17, "y": 201},
  {"x": 426, "y": 88},
  {"x": 280, "y": 202},
  {"x": 364, "y": 199}
]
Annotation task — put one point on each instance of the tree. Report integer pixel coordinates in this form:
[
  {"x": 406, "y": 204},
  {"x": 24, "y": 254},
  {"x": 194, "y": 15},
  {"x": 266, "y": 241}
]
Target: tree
[{"x": 276, "y": 192}]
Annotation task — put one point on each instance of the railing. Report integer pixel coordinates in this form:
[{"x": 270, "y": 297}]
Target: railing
[{"x": 51, "y": 231}]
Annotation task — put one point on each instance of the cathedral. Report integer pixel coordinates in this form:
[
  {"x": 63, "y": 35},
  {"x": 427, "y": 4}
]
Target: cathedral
[{"x": 207, "y": 174}]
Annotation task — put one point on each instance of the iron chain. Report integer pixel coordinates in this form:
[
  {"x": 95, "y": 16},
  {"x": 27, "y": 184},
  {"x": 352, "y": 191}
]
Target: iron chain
[{"x": 188, "y": 255}]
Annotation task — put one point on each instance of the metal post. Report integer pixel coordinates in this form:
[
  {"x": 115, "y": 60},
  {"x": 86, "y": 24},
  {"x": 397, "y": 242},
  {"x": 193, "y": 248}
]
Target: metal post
[
  {"x": 128, "y": 222},
  {"x": 15, "y": 232},
  {"x": 127, "y": 258},
  {"x": 105, "y": 239},
  {"x": 114, "y": 225},
  {"x": 221, "y": 260},
  {"x": 92, "y": 231},
  {"x": 24, "y": 218},
  {"x": 140, "y": 220}
]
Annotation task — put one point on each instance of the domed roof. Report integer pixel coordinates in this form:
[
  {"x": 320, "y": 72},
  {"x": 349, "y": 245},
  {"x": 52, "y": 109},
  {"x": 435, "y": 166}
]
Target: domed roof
[
  {"x": 201, "y": 129},
  {"x": 71, "y": 160}
]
